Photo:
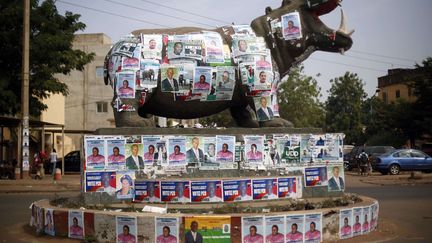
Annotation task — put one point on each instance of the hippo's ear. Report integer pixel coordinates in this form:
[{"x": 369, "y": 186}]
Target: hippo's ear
[
  {"x": 285, "y": 2},
  {"x": 268, "y": 10}
]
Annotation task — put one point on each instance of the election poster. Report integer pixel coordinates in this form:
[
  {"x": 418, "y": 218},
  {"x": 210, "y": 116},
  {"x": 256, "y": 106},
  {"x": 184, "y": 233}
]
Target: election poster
[
  {"x": 147, "y": 191},
  {"x": 315, "y": 176},
  {"x": 94, "y": 151},
  {"x": 263, "y": 108},
  {"x": 213, "y": 229},
  {"x": 209, "y": 146},
  {"x": 151, "y": 46},
  {"x": 169, "y": 81},
  {"x": 294, "y": 228},
  {"x": 126, "y": 229},
  {"x": 125, "y": 47},
  {"x": 313, "y": 227},
  {"x": 202, "y": 80},
  {"x": 213, "y": 47},
  {"x": 149, "y": 73},
  {"x": 243, "y": 29},
  {"x": 289, "y": 148},
  {"x": 248, "y": 45},
  {"x": 175, "y": 191},
  {"x": 291, "y": 26},
  {"x": 263, "y": 80},
  {"x": 116, "y": 152},
  {"x": 39, "y": 219},
  {"x": 252, "y": 229},
  {"x": 134, "y": 156},
  {"x": 247, "y": 73},
  {"x": 49, "y": 222},
  {"x": 206, "y": 191},
  {"x": 225, "y": 78},
  {"x": 161, "y": 152},
  {"x": 185, "y": 77},
  {"x": 130, "y": 63},
  {"x": 274, "y": 229},
  {"x": 237, "y": 190},
  {"x": 167, "y": 230},
  {"x": 194, "y": 150},
  {"x": 125, "y": 85},
  {"x": 125, "y": 184},
  {"x": 365, "y": 220},
  {"x": 345, "y": 223},
  {"x": 76, "y": 224},
  {"x": 265, "y": 189},
  {"x": 374, "y": 215},
  {"x": 133, "y": 138},
  {"x": 100, "y": 181},
  {"x": 185, "y": 46},
  {"x": 254, "y": 148},
  {"x": 307, "y": 146},
  {"x": 357, "y": 221},
  {"x": 336, "y": 178},
  {"x": 224, "y": 147},
  {"x": 287, "y": 187},
  {"x": 176, "y": 151},
  {"x": 149, "y": 144}
]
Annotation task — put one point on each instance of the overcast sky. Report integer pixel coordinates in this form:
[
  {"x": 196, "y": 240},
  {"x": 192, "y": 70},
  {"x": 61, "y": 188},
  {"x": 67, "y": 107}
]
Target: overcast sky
[{"x": 388, "y": 33}]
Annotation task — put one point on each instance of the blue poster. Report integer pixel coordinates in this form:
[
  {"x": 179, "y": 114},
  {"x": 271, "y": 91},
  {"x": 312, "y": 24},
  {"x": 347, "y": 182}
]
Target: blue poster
[
  {"x": 316, "y": 176},
  {"x": 237, "y": 190},
  {"x": 175, "y": 191},
  {"x": 206, "y": 191},
  {"x": 101, "y": 182},
  {"x": 147, "y": 191},
  {"x": 287, "y": 187},
  {"x": 264, "y": 189}
]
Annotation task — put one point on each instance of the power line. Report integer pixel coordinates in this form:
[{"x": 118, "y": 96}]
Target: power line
[
  {"x": 344, "y": 64},
  {"x": 113, "y": 14},
  {"x": 378, "y": 55},
  {"x": 163, "y": 14},
  {"x": 377, "y": 61},
  {"x": 187, "y": 12}
]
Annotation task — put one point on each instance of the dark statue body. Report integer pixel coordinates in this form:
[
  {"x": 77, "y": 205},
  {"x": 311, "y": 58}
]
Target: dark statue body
[{"x": 285, "y": 54}]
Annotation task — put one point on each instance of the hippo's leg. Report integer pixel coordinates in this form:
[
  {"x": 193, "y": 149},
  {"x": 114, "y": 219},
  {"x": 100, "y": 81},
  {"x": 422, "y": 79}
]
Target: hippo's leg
[
  {"x": 276, "y": 122},
  {"x": 243, "y": 117}
]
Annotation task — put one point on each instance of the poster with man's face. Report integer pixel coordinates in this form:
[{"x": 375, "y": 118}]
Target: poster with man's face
[
  {"x": 94, "y": 152},
  {"x": 206, "y": 191},
  {"x": 167, "y": 229},
  {"x": 100, "y": 181},
  {"x": 147, "y": 191},
  {"x": 294, "y": 228},
  {"x": 274, "y": 229},
  {"x": 237, "y": 190},
  {"x": 151, "y": 46},
  {"x": 252, "y": 229},
  {"x": 115, "y": 152},
  {"x": 76, "y": 224},
  {"x": 126, "y": 229},
  {"x": 125, "y": 85},
  {"x": 313, "y": 227},
  {"x": 211, "y": 228},
  {"x": 345, "y": 223},
  {"x": 49, "y": 222},
  {"x": 175, "y": 191},
  {"x": 265, "y": 189},
  {"x": 263, "y": 108},
  {"x": 291, "y": 26}
]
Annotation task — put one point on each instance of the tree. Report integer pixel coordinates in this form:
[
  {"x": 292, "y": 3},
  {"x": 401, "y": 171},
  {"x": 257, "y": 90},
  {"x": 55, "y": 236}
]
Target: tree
[
  {"x": 299, "y": 100},
  {"x": 344, "y": 107},
  {"x": 51, "y": 36}
]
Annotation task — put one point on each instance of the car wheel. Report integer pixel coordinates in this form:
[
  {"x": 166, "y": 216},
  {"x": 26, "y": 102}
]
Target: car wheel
[{"x": 394, "y": 169}]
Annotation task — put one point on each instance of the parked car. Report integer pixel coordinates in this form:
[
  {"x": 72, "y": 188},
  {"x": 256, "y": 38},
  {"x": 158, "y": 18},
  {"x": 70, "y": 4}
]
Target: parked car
[
  {"x": 351, "y": 159},
  {"x": 403, "y": 159},
  {"x": 427, "y": 148},
  {"x": 72, "y": 162}
]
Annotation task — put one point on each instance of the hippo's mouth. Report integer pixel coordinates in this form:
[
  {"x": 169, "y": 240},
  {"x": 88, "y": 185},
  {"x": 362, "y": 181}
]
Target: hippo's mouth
[{"x": 331, "y": 40}]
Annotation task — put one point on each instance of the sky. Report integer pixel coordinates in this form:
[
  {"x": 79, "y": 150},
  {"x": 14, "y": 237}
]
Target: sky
[{"x": 388, "y": 33}]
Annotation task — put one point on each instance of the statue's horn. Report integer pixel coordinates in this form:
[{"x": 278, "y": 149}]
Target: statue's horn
[{"x": 343, "y": 25}]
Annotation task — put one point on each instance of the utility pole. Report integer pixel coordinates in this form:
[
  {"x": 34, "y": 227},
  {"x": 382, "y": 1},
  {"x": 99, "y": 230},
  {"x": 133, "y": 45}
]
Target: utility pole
[{"x": 25, "y": 134}]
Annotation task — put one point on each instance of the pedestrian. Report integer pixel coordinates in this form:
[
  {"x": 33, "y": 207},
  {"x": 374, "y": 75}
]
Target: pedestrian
[
  {"x": 363, "y": 159},
  {"x": 53, "y": 160},
  {"x": 38, "y": 163}
]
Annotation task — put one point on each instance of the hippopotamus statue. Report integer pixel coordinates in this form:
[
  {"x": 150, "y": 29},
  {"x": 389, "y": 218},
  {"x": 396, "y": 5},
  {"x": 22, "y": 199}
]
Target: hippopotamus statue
[{"x": 285, "y": 54}]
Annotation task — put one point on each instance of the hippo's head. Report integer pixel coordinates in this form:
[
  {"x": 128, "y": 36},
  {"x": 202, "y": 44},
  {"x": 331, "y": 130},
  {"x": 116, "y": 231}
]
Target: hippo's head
[{"x": 315, "y": 35}]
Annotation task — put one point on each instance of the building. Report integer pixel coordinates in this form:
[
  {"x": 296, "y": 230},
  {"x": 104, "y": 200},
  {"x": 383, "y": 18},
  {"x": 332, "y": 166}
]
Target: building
[{"x": 396, "y": 85}]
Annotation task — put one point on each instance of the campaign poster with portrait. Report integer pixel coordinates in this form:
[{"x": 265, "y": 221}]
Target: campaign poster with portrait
[
  {"x": 113, "y": 65},
  {"x": 291, "y": 26},
  {"x": 126, "y": 229},
  {"x": 49, "y": 222},
  {"x": 247, "y": 73},
  {"x": 202, "y": 80},
  {"x": 237, "y": 190},
  {"x": 169, "y": 75},
  {"x": 161, "y": 152},
  {"x": 147, "y": 191},
  {"x": 374, "y": 215},
  {"x": 274, "y": 229},
  {"x": 130, "y": 63},
  {"x": 336, "y": 178},
  {"x": 265, "y": 189},
  {"x": 216, "y": 229},
  {"x": 206, "y": 191},
  {"x": 345, "y": 223},
  {"x": 151, "y": 46},
  {"x": 125, "y": 184},
  {"x": 149, "y": 73},
  {"x": 330, "y": 150},
  {"x": 315, "y": 176},
  {"x": 185, "y": 46},
  {"x": 263, "y": 80},
  {"x": 177, "y": 151},
  {"x": 115, "y": 152},
  {"x": 254, "y": 148},
  {"x": 263, "y": 108},
  {"x": 209, "y": 145},
  {"x": 167, "y": 230},
  {"x": 357, "y": 221},
  {"x": 307, "y": 146},
  {"x": 134, "y": 156},
  {"x": 125, "y": 85},
  {"x": 287, "y": 187},
  {"x": 133, "y": 138},
  {"x": 252, "y": 229},
  {"x": 243, "y": 29},
  {"x": 247, "y": 45},
  {"x": 185, "y": 77},
  {"x": 39, "y": 219},
  {"x": 150, "y": 152},
  {"x": 225, "y": 146},
  {"x": 313, "y": 228},
  {"x": 175, "y": 191},
  {"x": 76, "y": 224},
  {"x": 213, "y": 47},
  {"x": 290, "y": 149},
  {"x": 225, "y": 78},
  {"x": 94, "y": 152},
  {"x": 294, "y": 228},
  {"x": 100, "y": 181},
  {"x": 365, "y": 220},
  {"x": 194, "y": 150}
]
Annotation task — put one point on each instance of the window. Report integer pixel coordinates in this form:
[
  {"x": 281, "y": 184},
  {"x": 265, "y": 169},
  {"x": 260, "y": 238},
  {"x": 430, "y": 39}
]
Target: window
[
  {"x": 102, "y": 107},
  {"x": 416, "y": 154},
  {"x": 99, "y": 72},
  {"x": 384, "y": 95},
  {"x": 397, "y": 94}
]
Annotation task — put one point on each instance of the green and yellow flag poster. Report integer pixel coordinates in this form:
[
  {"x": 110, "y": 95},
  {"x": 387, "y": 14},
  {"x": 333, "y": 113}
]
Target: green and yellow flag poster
[{"x": 214, "y": 229}]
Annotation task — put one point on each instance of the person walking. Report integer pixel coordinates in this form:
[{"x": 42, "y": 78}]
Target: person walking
[
  {"x": 38, "y": 162},
  {"x": 53, "y": 160},
  {"x": 363, "y": 159}
]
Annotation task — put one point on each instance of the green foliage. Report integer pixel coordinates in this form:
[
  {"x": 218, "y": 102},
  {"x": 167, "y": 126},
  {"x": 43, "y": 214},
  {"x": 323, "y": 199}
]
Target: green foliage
[
  {"x": 299, "y": 100},
  {"x": 51, "y": 36},
  {"x": 344, "y": 107}
]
